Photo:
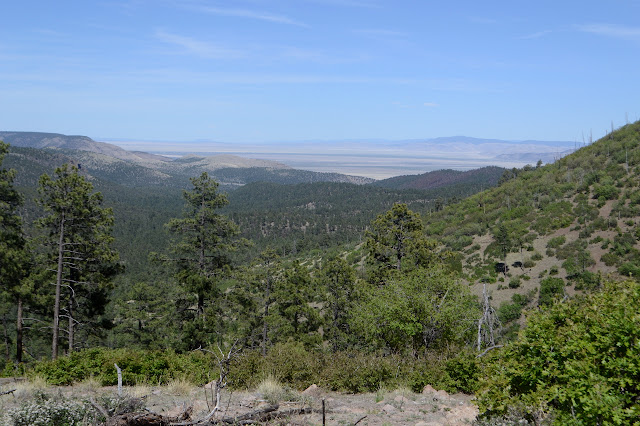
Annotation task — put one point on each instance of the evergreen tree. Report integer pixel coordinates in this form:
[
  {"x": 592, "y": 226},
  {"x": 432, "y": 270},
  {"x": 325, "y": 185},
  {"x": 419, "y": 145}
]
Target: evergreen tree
[
  {"x": 201, "y": 254},
  {"x": 79, "y": 252},
  {"x": 396, "y": 242},
  {"x": 13, "y": 255},
  {"x": 253, "y": 299},
  {"x": 338, "y": 283},
  {"x": 294, "y": 316}
]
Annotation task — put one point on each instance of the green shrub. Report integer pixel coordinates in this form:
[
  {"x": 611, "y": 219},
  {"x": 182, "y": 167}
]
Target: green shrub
[
  {"x": 464, "y": 372},
  {"x": 630, "y": 269},
  {"x": 508, "y": 312},
  {"x": 596, "y": 240},
  {"x": 609, "y": 259},
  {"x": 47, "y": 412},
  {"x": 556, "y": 242},
  {"x": 550, "y": 289},
  {"x": 514, "y": 282},
  {"x": 137, "y": 366},
  {"x": 575, "y": 363},
  {"x": 536, "y": 257}
]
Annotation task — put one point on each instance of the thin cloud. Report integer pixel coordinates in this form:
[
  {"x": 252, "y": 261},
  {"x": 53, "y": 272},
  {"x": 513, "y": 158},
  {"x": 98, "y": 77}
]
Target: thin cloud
[
  {"x": 536, "y": 35},
  {"x": 431, "y": 104},
  {"x": 346, "y": 3},
  {"x": 252, "y": 14},
  {"x": 196, "y": 47},
  {"x": 381, "y": 33},
  {"x": 612, "y": 30},
  {"x": 482, "y": 20}
]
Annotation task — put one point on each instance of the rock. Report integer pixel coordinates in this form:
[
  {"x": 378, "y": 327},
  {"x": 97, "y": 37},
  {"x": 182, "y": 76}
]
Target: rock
[
  {"x": 462, "y": 415},
  {"x": 389, "y": 409},
  {"x": 312, "y": 390},
  {"x": 428, "y": 389},
  {"x": 179, "y": 412},
  {"x": 249, "y": 401},
  {"x": 401, "y": 399},
  {"x": 441, "y": 395}
]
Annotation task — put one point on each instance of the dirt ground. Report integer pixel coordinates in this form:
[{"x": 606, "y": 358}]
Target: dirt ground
[{"x": 397, "y": 407}]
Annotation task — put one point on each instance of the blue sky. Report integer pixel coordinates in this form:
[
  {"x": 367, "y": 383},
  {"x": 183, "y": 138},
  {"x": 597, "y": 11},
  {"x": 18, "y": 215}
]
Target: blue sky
[{"x": 285, "y": 70}]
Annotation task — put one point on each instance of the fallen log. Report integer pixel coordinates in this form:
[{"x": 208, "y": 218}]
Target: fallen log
[{"x": 147, "y": 419}]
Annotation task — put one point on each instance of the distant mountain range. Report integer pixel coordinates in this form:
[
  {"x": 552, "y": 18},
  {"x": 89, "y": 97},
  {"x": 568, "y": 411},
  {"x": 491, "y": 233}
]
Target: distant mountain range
[
  {"x": 376, "y": 158},
  {"x": 136, "y": 168}
]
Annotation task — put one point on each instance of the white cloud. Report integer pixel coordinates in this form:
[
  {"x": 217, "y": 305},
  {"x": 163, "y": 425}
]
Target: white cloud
[
  {"x": 612, "y": 30},
  {"x": 431, "y": 104}
]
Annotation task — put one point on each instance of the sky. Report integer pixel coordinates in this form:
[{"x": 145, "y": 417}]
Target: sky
[{"x": 248, "y": 71}]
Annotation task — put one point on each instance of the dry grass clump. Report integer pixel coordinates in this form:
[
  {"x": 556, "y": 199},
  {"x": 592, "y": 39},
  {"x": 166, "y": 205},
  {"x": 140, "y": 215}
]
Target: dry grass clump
[
  {"x": 89, "y": 385},
  {"x": 140, "y": 390},
  {"x": 405, "y": 392},
  {"x": 274, "y": 392},
  {"x": 33, "y": 384},
  {"x": 180, "y": 386}
]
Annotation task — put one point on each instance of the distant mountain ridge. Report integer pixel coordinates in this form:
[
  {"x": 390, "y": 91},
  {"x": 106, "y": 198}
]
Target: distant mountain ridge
[
  {"x": 483, "y": 177},
  {"x": 136, "y": 168}
]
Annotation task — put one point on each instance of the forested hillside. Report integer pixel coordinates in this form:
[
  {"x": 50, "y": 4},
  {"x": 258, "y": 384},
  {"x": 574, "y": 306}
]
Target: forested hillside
[
  {"x": 483, "y": 178},
  {"x": 305, "y": 280}
]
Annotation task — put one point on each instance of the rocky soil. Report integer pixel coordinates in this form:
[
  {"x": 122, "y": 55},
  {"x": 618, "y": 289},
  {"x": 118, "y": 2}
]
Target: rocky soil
[{"x": 398, "y": 407}]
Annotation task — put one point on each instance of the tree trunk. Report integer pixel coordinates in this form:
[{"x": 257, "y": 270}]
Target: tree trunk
[
  {"x": 6, "y": 337},
  {"x": 19, "y": 332},
  {"x": 71, "y": 329},
  {"x": 264, "y": 318},
  {"x": 56, "y": 305}
]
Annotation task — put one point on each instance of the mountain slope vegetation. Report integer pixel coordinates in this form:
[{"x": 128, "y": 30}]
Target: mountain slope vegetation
[
  {"x": 484, "y": 178},
  {"x": 574, "y": 220},
  {"x": 376, "y": 282}
]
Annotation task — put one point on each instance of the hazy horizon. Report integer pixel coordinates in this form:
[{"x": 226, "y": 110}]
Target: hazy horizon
[{"x": 377, "y": 159}]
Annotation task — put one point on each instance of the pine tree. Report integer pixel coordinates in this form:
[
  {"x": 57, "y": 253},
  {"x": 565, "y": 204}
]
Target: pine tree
[
  {"x": 397, "y": 236},
  {"x": 201, "y": 254},
  {"x": 13, "y": 254},
  {"x": 79, "y": 248},
  {"x": 294, "y": 314},
  {"x": 338, "y": 282}
]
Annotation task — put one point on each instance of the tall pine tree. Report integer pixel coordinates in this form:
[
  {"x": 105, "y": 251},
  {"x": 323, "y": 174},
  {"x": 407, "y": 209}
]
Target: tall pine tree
[
  {"x": 13, "y": 255},
  {"x": 78, "y": 243},
  {"x": 201, "y": 254}
]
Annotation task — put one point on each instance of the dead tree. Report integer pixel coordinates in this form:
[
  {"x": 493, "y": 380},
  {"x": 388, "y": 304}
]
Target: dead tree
[
  {"x": 488, "y": 324},
  {"x": 224, "y": 363}
]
